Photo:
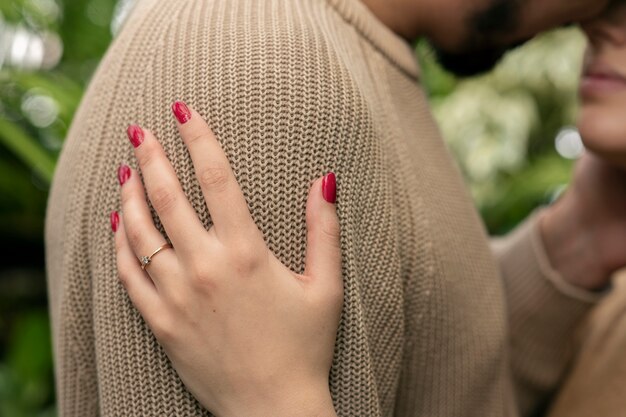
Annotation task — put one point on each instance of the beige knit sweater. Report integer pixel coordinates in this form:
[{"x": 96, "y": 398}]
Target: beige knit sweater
[
  {"x": 295, "y": 88},
  {"x": 596, "y": 385}
]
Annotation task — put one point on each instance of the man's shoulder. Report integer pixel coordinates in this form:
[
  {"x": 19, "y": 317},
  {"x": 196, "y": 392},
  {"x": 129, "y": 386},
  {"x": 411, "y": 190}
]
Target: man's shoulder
[
  {"x": 305, "y": 28},
  {"x": 251, "y": 62},
  {"x": 224, "y": 38},
  {"x": 240, "y": 19},
  {"x": 280, "y": 51},
  {"x": 269, "y": 15}
]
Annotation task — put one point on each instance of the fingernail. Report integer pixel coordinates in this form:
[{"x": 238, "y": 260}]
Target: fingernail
[
  {"x": 135, "y": 134},
  {"x": 181, "y": 111},
  {"x": 123, "y": 174},
  {"x": 115, "y": 221},
  {"x": 329, "y": 188}
]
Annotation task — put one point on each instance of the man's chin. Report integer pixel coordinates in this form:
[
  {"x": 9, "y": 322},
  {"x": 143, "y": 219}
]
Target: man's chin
[
  {"x": 467, "y": 64},
  {"x": 473, "y": 61}
]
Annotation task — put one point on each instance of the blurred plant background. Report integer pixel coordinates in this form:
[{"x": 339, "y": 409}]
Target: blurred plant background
[{"x": 510, "y": 130}]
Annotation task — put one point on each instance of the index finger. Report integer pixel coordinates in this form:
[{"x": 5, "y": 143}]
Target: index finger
[{"x": 222, "y": 194}]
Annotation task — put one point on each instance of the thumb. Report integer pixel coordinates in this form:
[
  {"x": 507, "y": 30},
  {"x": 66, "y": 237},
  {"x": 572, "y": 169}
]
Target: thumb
[{"x": 323, "y": 254}]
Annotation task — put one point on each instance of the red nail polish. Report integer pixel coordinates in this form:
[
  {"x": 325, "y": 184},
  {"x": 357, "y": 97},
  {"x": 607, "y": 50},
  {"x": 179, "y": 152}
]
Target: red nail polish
[
  {"x": 123, "y": 174},
  {"x": 329, "y": 188},
  {"x": 115, "y": 221},
  {"x": 135, "y": 134},
  {"x": 181, "y": 111}
]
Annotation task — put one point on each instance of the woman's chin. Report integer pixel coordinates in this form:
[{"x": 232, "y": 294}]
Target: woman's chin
[
  {"x": 607, "y": 150},
  {"x": 618, "y": 160},
  {"x": 604, "y": 134}
]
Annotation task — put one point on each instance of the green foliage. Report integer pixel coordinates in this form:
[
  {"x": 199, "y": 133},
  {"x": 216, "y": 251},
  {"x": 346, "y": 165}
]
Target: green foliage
[
  {"x": 25, "y": 388},
  {"x": 502, "y": 126},
  {"x": 83, "y": 27},
  {"x": 36, "y": 108},
  {"x": 27, "y": 149}
]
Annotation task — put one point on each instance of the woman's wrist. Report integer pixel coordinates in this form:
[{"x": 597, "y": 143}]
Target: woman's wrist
[
  {"x": 571, "y": 246},
  {"x": 308, "y": 402}
]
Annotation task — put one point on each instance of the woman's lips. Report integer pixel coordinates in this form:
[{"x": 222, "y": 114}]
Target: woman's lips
[{"x": 599, "y": 79}]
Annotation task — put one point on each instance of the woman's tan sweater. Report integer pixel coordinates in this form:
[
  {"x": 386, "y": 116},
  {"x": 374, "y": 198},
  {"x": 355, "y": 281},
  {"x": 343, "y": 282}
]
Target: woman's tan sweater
[
  {"x": 596, "y": 385},
  {"x": 295, "y": 88}
]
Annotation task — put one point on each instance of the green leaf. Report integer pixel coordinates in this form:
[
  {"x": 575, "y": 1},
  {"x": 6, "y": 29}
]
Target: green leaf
[{"x": 28, "y": 149}]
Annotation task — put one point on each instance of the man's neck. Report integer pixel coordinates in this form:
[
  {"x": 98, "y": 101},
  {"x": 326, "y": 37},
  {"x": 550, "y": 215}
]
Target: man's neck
[{"x": 407, "y": 18}]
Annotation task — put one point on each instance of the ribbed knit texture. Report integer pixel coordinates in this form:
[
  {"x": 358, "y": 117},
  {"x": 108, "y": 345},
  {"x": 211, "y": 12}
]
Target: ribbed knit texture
[
  {"x": 543, "y": 321},
  {"x": 595, "y": 386},
  {"x": 293, "y": 89}
]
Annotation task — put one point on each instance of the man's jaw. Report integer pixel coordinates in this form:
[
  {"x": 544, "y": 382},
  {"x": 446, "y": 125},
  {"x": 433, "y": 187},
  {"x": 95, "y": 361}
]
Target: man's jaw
[{"x": 473, "y": 60}]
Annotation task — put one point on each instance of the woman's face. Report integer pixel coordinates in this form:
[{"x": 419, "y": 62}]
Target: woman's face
[{"x": 602, "y": 118}]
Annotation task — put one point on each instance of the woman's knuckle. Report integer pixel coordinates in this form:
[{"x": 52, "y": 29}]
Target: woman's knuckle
[
  {"x": 205, "y": 285},
  {"x": 214, "y": 177},
  {"x": 134, "y": 235},
  {"x": 197, "y": 270},
  {"x": 201, "y": 276},
  {"x": 178, "y": 300},
  {"x": 163, "y": 198},
  {"x": 197, "y": 137},
  {"x": 247, "y": 255},
  {"x": 147, "y": 154},
  {"x": 330, "y": 230}
]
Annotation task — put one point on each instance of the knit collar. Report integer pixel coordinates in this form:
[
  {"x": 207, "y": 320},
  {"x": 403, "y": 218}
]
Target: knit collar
[{"x": 395, "y": 48}]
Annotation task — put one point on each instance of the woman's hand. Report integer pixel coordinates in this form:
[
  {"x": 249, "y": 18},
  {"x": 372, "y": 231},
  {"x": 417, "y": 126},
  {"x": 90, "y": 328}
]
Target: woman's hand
[
  {"x": 247, "y": 336},
  {"x": 585, "y": 230}
]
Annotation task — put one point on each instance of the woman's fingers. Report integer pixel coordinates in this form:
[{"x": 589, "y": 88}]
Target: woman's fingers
[
  {"x": 323, "y": 257},
  {"x": 137, "y": 283},
  {"x": 142, "y": 236},
  {"x": 179, "y": 219},
  {"x": 227, "y": 205}
]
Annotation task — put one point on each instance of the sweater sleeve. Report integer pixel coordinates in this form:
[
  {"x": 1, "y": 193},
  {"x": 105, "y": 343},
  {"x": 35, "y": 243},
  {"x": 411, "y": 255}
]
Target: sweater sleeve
[
  {"x": 544, "y": 312},
  {"x": 594, "y": 386}
]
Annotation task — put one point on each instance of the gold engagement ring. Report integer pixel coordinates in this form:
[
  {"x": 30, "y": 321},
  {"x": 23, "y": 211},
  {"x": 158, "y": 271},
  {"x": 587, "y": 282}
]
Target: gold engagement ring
[{"x": 145, "y": 260}]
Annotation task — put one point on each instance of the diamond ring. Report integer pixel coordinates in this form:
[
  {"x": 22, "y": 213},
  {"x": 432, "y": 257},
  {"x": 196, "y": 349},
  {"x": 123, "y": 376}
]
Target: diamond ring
[{"x": 145, "y": 260}]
